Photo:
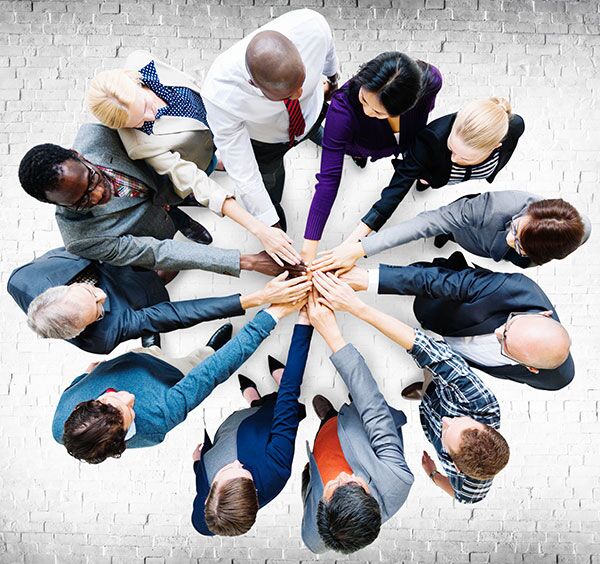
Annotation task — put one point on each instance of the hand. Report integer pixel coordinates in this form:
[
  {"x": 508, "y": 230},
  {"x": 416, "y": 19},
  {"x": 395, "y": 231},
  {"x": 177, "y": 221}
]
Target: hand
[
  {"x": 263, "y": 263},
  {"x": 284, "y": 289},
  {"x": 357, "y": 278},
  {"x": 336, "y": 294},
  {"x": 281, "y": 310},
  {"x": 303, "y": 316},
  {"x": 343, "y": 257},
  {"x": 279, "y": 246},
  {"x": 427, "y": 463},
  {"x": 197, "y": 452},
  {"x": 321, "y": 317}
]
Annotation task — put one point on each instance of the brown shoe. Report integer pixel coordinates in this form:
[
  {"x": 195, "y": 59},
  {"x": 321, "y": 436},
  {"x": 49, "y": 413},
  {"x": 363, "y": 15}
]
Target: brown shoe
[
  {"x": 413, "y": 391},
  {"x": 322, "y": 406}
]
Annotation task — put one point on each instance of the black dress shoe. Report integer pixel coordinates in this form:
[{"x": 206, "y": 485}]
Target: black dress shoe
[
  {"x": 413, "y": 391},
  {"x": 220, "y": 336},
  {"x": 246, "y": 383},
  {"x": 151, "y": 340},
  {"x": 189, "y": 227},
  {"x": 421, "y": 186},
  {"x": 360, "y": 162},
  {"x": 440, "y": 240},
  {"x": 322, "y": 406},
  {"x": 274, "y": 364}
]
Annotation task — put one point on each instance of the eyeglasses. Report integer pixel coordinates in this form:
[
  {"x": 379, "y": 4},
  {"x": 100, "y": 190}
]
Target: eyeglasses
[
  {"x": 513, "y": 231},
  {"x": 509, "y": 320},
  {"x": 99, "y": 306},
  {"x": 84, "y": 201}
]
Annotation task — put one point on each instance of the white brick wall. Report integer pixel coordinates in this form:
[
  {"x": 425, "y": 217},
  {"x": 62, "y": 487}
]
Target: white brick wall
[{"x": 544, "y": 508}]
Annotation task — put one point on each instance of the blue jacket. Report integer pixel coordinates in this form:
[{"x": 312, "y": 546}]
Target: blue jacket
[
  {"x": 474, "y": 301},
  {"x": 266, "y": 437},
  {"x": 164, "y": 396},
  {"x": 137, "y": 301}
]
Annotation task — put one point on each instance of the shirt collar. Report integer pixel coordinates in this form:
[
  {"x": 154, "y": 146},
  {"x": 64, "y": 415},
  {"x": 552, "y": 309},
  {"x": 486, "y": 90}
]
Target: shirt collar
[{"x": 131, "y": 431}]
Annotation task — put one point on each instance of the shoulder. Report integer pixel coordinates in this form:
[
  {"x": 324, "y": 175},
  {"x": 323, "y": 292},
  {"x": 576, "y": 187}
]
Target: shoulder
[
  {"x": 138, "y": 59},
  {"x": 432, "y": 80},
  {"x": 441, "y": 127},
  {"x": 516, "y": 125}
]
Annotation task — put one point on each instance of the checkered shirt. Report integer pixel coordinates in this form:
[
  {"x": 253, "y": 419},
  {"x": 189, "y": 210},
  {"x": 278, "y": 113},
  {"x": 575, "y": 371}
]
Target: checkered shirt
[
  {"x": 454, "y": 392},
  {"x": 125, "y": 186}
]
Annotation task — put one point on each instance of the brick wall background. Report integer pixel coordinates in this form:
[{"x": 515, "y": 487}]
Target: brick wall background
[{"x": 545, "y": 507}]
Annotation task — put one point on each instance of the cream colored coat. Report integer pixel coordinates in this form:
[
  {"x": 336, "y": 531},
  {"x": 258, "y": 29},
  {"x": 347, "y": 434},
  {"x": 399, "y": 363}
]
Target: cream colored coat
[{"x": 179, "y": 147}]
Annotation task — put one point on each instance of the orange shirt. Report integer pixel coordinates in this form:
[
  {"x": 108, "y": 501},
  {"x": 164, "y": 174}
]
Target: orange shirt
[{"x": 328, "y": 452}]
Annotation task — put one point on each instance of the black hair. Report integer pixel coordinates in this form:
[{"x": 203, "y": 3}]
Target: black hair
[
  {"x": 395, "y": 77},
  {"x": 350, "y": 520},
  {"x": 40, "y": 169}
]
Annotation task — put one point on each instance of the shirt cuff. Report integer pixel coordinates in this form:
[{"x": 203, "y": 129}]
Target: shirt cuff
[
  {"x": 373, "y": 284},
  {"x": 269, "y": 217},
  {"x": 217, "y": 199},
  {"x": 275, "y": 318}
]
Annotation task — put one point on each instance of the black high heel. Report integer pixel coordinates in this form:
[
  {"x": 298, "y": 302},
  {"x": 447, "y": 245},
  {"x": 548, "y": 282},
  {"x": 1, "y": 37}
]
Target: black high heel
[
  {"x": 274, "y": 364},
  {"x": 246, "y": 383}
]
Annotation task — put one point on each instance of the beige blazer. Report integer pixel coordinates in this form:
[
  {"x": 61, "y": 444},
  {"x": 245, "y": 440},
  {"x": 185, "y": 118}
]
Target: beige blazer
[{"x": 179, "y": 147}]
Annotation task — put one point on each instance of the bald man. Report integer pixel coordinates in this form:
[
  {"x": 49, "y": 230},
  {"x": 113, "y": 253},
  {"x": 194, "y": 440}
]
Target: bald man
[
  {"x": 502, "y": 324},
  {"x": 263, "y": 96}
]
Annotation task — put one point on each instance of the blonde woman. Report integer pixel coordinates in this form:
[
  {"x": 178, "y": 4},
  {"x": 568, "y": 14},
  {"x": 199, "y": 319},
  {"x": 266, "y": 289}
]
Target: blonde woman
[
  {"x": 160, "y": 117},
  {"x": 475, "y": 143}
]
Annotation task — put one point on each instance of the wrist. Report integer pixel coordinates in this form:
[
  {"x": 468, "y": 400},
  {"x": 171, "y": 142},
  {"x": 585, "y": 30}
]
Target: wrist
[
  {"x": 433, "y": 474},
  {"x": 361, "y": 310},
  {"x": 247, "y": 262},
  {"x": 254, "y": 299},
  {"x": 257, "y": 228},
  {"x": 358, "y": 250},
  {"x": 335, "y": 341}
]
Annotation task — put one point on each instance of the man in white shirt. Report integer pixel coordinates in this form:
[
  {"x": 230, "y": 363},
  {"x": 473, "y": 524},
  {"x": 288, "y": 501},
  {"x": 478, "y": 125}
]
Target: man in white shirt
[{"x": 263, "y": 96}]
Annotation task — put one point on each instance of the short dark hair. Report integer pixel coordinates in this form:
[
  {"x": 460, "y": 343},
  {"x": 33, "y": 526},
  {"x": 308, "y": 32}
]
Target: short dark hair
[
  {"x": 94, "y": 432},
  {"x": 40, "y": 168},
  {"x": 395, "y": 77},
  {"x": 231, "y": 508},
  {"x": 555, "y": 230},
  {"x": 482, "y": 453},
  {"x": 350, "y": 520}
]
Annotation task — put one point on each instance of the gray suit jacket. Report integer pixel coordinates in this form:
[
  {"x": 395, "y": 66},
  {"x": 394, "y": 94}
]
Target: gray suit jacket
[
  {"x": 478, "y": 224},
  {"x": 133, "y": 231},
  {"x": 370, "y": 434}
]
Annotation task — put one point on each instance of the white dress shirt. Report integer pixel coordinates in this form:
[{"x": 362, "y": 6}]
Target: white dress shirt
[
  {"x": 481, "y": 349},
  {"x": 238, "y": 111}
]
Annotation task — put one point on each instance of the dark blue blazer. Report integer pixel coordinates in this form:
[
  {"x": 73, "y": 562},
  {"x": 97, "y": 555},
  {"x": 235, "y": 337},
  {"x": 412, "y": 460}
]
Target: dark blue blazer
[
  {"x": 265, "y": 439},
  {"x": 474, "y": 301},
  {"x": 137, "y": 301}
]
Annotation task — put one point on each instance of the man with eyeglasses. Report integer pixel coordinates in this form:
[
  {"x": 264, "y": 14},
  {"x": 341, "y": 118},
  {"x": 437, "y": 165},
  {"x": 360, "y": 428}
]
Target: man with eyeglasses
[
  {"x": 502, "y": 324},
  {"x": 112, "y": 209},
  {"x": 97, "y": 306}
]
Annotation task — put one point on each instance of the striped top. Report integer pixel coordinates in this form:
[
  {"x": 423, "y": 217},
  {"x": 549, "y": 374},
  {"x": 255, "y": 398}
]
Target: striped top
[
  {"x": 482, "y": 170},
  {"x": 455, "y": 391}
]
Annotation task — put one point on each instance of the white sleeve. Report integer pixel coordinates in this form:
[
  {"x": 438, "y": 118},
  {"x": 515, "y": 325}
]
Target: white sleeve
[
  {"x": 332, "y": 65},
  {"x": 373, "y": 285},
  {"x": 232, "y": 139}
]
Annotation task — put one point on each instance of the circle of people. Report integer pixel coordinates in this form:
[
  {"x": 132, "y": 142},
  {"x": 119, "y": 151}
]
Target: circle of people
[{"x": 118, "y": 195}]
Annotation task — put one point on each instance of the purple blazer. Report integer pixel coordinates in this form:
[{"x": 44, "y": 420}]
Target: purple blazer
[{"x": 348, "y": 131}]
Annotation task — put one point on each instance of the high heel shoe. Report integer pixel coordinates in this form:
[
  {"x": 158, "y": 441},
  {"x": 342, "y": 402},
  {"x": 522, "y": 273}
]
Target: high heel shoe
[
  {"x": 246, "y": 383},
  {"x": 274, "y": 364}
]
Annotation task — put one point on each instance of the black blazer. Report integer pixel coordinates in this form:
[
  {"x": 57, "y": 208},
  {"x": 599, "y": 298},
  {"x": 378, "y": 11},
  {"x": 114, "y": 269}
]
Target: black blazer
[
  {"x": 474, "y": 301},
  {"x": 137, "y": 301},
  {"x": 430, "y": 159}
]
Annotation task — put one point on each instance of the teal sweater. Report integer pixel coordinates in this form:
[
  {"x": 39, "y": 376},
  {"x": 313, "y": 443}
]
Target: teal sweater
[{"x": 163, "y": 395}]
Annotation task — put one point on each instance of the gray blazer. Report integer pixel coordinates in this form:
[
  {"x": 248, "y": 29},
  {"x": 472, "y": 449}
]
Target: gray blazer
[
  {"x": 134, "y": 231},
  {"x": 478, "y": 224},
  {"x": 370, "y": 434}
]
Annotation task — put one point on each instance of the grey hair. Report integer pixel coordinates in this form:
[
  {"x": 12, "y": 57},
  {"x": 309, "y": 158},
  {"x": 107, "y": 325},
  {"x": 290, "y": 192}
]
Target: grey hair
[{"x": 53, "y": 316}]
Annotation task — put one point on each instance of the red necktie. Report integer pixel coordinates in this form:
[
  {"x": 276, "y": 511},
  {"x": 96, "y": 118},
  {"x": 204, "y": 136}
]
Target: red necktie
[{"x": 297, "y": 124}]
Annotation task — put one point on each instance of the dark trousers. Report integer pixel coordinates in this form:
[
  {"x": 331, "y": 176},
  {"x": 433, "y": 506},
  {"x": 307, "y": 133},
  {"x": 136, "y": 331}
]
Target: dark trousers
[{"x": 269, "y": 157}]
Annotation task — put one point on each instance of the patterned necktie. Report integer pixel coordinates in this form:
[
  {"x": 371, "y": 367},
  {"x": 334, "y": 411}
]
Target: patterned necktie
[{"x": 297, "y": 124}]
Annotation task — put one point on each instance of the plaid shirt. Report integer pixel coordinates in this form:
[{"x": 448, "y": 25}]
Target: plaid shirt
[
  {"x": 125, "y": 186},
  {"x": 454, "y": 392}
]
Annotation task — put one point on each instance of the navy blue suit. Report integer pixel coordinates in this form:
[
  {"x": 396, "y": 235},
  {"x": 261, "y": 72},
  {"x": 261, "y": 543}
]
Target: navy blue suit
[
  {"x": 474, "y": 301},
  {"x": 265, "y": 437},
  {"x": 137, "y": 302}
]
